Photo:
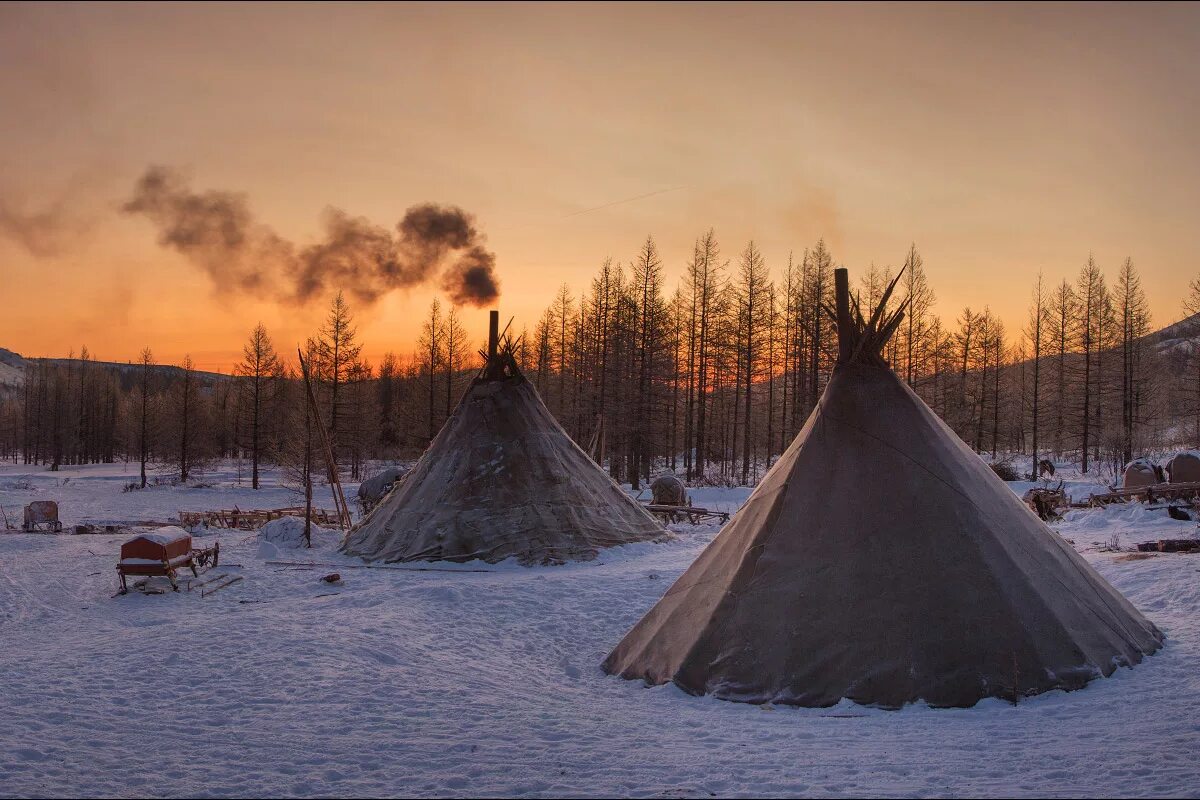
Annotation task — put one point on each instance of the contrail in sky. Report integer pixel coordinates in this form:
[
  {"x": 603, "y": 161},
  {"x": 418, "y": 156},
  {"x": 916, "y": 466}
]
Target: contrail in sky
[{"x": 626, "y": 200}]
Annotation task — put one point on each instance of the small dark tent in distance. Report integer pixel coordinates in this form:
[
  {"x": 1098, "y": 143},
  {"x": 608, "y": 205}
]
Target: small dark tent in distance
[
  {"x": 1184, "y": 467},
  {"x": 882, "y": 561},
  {"x": 502, "y": 479}
]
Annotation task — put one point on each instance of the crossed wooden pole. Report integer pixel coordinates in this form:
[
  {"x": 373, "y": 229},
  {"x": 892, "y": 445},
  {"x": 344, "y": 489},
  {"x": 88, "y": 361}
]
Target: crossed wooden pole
[{"x": 335, "y": 483}]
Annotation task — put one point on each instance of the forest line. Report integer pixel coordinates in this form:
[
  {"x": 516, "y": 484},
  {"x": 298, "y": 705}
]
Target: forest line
[{"x": 711, "y": 378}]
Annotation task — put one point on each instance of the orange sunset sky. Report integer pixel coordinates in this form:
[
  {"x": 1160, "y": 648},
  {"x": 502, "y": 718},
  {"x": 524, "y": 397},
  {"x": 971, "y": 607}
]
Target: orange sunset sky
[{"x": 1002, "y": 139}]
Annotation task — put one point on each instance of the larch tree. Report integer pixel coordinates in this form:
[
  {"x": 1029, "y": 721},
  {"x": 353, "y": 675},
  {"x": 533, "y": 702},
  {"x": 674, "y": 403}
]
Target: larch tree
[
  {"x": 1062, "y": 325},
  {"x": 257, "y": 370},
  {"x": 456, "y": 353},
  {"x": 752, "y": 291},
  {"x": 543, "y": 349},
  {"x": 562, "y": 314},
  {"x": 300, "y": 454},
  {"x": 432, "y": 348},
  {"x": 819, "y": 271},
  {"x": 1033, "y": 332},
  {"x": 386, "y": 397},
  {"x": 920, "y": 298},
  {"x": 1090, "y": 292},
  {"x": 1191, "y": 307},
  {"x": 185, "y": 409},
  {"x": 966, "y": 339},
  {"x": 651, "y": 321},
  {"x": 339, "y": 350},
  {"x": 1135, "y": 324},
  {"x": 706, "y": 279},
  {"x": 146, "y": 364}
]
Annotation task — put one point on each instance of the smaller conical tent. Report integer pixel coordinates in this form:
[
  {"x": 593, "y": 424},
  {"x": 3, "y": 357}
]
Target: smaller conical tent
[
  {"x": 880, "y": 560},
  {"x": 502, "y": 479}
]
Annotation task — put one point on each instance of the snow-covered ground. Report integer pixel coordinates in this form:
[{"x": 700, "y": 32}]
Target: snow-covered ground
[{"x": 485, "y": 680}]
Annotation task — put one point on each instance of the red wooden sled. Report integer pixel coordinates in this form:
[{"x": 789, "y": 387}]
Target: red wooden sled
[{"x": 163, "y": 552}]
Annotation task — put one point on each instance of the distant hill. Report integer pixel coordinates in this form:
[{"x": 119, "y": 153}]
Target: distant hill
[
  {"x": 12, "y": 368},
  {"x": 1182, "y": 338}
]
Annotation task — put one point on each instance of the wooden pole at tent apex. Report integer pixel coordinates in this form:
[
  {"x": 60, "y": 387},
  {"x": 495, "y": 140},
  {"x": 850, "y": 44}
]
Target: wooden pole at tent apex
[
  {"x": 493, "y": 335},
  {"x": 841, "y": 290}
]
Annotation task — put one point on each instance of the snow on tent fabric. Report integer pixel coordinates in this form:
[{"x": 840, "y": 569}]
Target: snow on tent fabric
[
  {"x": 881, "y": 561},
  {"x": 502, "y": 480},
  {"x": 1139, "y": 473}
]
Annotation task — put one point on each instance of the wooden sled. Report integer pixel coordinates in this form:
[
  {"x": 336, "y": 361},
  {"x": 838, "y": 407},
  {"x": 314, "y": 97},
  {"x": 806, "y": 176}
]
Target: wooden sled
[
  {"x": 163, "y": 554},
  {"x": 692, "y": 515}
]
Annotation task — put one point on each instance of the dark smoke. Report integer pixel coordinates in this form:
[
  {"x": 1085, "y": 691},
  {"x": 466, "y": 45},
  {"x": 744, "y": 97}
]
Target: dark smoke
[
  {"x": 217, "y": 231},
  {"x": 472, "y": 279},
  {"x": 46, "y": 233},
  {"x": 356, "y": 255}
]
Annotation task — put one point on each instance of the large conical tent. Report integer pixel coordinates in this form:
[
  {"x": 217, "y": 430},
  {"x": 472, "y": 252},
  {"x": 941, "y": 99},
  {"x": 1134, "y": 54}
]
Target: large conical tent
[
  {"x": 882, "y": 561},
  {"x": 502, "y": 479}
]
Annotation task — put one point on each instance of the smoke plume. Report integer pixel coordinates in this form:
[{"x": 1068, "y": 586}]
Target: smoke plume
[
  {"x": 217, "y": 232},
  {"x": 45, "y": 233}
]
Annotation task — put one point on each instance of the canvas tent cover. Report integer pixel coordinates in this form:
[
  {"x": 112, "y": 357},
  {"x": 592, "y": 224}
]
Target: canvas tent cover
[
  {"x": 502, "y": 479},
  {"x": 882, "y": 561},
  {"x": 1184, "y": 467},
  {"x": 1139, "y": 473}
]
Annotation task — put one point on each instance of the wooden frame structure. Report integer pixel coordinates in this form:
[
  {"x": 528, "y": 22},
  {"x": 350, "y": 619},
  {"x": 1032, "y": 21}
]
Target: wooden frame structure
[
  {"x": 252, "y": 519},
  {"x": 1147, "y": 494},
  {"x": 344, "y": 520}
]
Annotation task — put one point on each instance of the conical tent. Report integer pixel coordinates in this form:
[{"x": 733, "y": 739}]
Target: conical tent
[
  {"x": 502, "y": 479},
  {"x": 882, "y": 561}
]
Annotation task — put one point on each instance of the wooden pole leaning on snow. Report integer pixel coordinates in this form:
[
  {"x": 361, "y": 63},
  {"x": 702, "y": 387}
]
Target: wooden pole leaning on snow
[
  {"x": 862, "y": 340},
  {"x": 335, "y": 483}
]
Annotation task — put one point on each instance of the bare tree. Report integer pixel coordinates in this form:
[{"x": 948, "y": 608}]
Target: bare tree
[
  {"x": 339, "y": 352},
  {"x": 432, "y": 346},
  {"x": 752, "y": 289},
  {"x": 1033, "y": 331},
  {"x": 456, "y": 351},
  {"x": 651, "y": 339},
  {"x": 1062, "y": 321},
  {"x": 144, "y": 425},
  {"x": 916, "y": 318},
  {"x": 259, "y": 368},
  {"x": 185, "y": 409},
  {"x": 1135, "y": 324},
  {"x": 1090, "y": 291}
]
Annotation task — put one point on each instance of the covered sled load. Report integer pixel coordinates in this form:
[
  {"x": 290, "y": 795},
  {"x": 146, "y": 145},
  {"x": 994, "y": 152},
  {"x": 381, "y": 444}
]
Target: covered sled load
[
  {"x": 501, "y": 479},
  {"x": 376, "y": 487},
  {"x": 668, "y": 490},
  {"x": 882, "y": 561}
]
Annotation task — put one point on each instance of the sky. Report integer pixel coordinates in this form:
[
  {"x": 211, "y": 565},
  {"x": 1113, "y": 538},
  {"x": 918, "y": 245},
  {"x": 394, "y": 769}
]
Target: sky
[{"x": 1002, "y": 140}]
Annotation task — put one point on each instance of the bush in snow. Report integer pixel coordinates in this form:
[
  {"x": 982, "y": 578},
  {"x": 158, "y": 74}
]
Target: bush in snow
[{"x": 1005, "y": 470}]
